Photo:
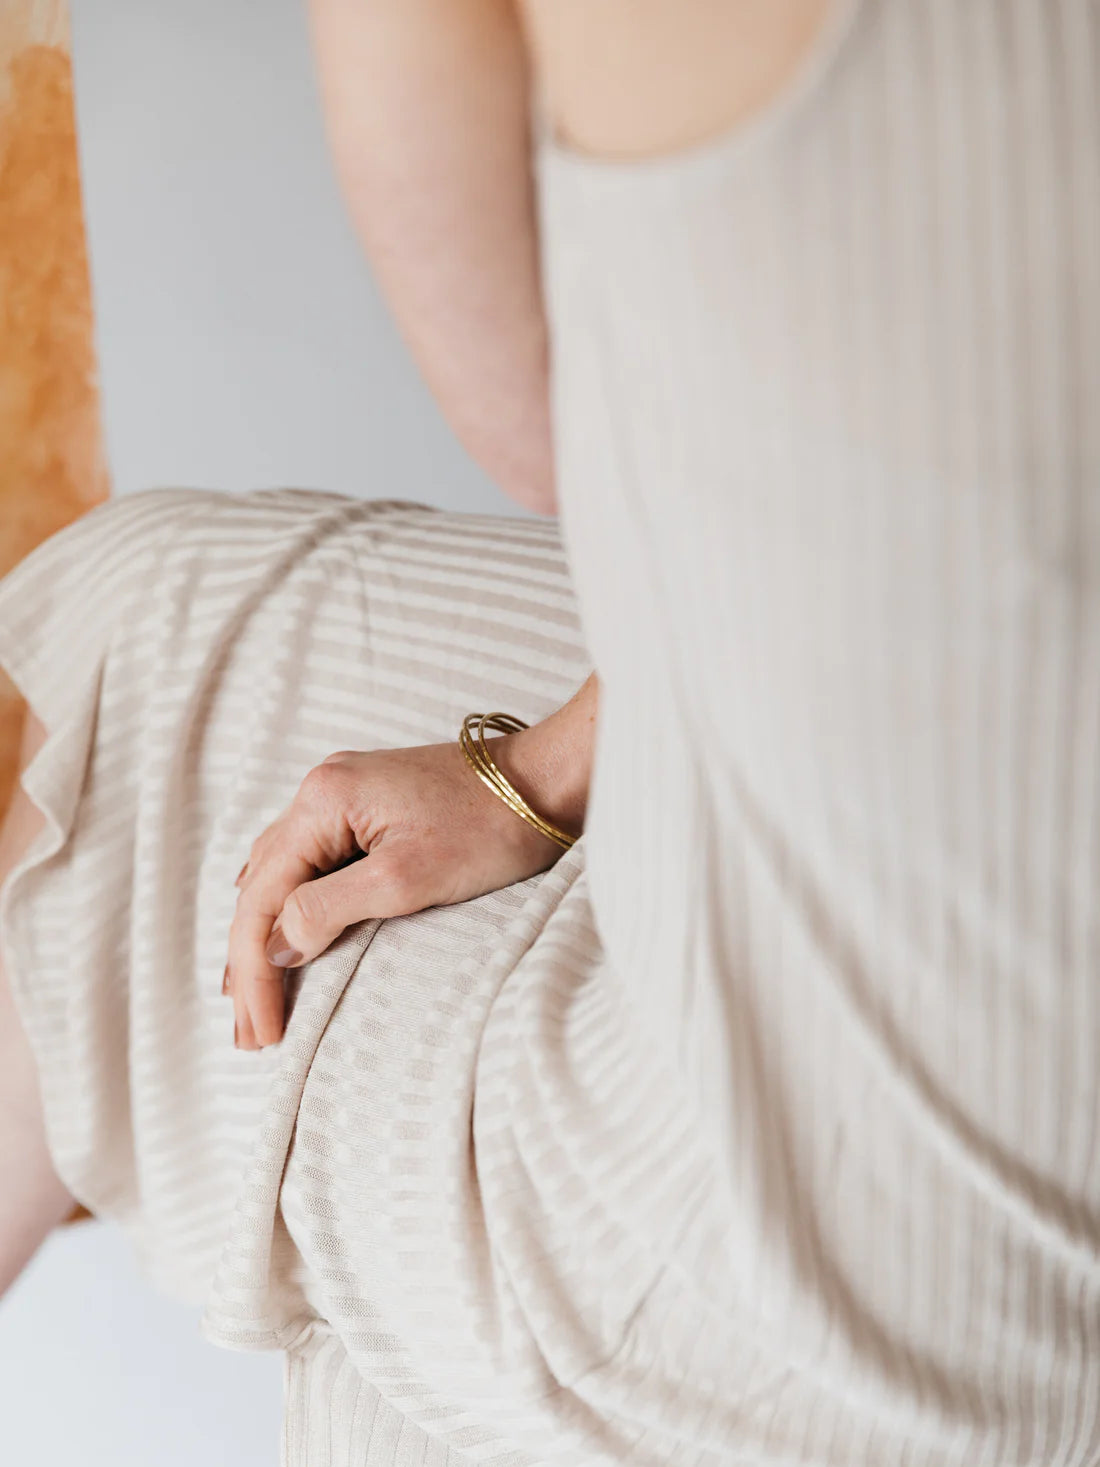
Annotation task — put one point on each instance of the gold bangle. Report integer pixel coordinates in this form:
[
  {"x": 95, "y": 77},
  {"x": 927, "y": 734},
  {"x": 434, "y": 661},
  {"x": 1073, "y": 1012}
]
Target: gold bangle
[{"x": 471, "y": 739}]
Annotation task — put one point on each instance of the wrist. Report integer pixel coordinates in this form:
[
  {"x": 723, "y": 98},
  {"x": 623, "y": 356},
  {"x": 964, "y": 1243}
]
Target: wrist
[{"x": 550, "y": 763}]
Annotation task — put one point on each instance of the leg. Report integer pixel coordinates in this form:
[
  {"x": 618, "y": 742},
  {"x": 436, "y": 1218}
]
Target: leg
[{"x": 33, "y": 1199}]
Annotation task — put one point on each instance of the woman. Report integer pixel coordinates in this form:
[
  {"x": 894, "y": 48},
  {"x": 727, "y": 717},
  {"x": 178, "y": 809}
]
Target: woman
[{"x": 762, "y": 1127}]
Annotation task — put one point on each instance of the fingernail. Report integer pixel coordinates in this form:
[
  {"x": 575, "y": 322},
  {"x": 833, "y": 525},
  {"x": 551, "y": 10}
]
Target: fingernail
[
  {"x": 241, "y": 874},
  {"x": 236, "y": 1036},
  {"x": 279, "y": 951},
  {"x": 225, "y": 979}
]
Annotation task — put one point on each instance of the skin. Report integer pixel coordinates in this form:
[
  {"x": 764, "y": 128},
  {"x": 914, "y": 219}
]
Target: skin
[
  {"x": 427, "y": 107},
  {"x": 427, "y": 112},
  {"x": 396, "y": 831},
  {"x": 636, "y": 78}
]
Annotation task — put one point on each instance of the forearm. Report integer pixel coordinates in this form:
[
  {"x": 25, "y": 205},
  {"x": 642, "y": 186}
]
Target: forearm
[
  {"x": 427, "y": 110},
  {"x": 551, "y": 762}
]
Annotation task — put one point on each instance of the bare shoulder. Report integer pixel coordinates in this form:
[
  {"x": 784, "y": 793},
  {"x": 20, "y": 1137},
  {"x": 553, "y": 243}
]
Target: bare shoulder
[{"x": 628, "y": 78}]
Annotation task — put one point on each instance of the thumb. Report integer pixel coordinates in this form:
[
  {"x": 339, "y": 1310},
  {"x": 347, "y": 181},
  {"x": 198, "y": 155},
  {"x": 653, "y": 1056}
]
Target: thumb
[{"x": 315, "y": 913}]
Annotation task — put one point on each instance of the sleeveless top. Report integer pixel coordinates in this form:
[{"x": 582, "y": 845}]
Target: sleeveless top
[{"x": 827, "y": 413}]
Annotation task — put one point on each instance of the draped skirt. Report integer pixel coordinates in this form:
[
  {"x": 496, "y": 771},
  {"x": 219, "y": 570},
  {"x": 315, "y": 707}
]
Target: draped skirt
[{"x": 192, "y": 655}]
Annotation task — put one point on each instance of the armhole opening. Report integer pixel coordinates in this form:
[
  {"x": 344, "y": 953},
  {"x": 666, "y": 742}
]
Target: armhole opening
[{"x": 803, "y": 82}]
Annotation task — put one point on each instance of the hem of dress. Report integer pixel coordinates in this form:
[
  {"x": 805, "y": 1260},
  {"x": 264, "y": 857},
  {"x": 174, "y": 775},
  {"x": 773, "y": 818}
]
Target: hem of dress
[{"x": 35, "y": 781}]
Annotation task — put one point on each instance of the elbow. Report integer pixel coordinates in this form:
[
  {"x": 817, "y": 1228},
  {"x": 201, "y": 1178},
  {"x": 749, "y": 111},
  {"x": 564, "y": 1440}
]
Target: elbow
[
  {"x": 518, "y": 457},
  {"x": 530, "y": 484},
  {"x": 539, "y": 501}
]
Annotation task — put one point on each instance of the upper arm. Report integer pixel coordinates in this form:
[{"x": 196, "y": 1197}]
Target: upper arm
[{"x": 427, "y": 109}]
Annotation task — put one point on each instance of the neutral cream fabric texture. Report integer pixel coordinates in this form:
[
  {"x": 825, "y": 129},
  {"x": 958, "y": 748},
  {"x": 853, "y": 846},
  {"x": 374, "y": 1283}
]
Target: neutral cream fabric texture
[
  {"x": 413, "y": 1194},
  {"x": 764, "y": 1127},
  {"x": 829, "y": 457}
]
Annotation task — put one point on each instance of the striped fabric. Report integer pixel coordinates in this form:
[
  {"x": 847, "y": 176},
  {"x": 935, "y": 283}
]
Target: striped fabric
[
  {"x": 765, "y": 1127},
  {"x": 828, "y": 442},
  {"x": 450, "y": 1190}
]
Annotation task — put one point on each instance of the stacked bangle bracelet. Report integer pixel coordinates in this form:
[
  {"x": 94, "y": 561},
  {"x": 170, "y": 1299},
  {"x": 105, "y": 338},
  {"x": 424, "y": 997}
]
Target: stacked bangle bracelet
[{"x": 472, "y": 741}]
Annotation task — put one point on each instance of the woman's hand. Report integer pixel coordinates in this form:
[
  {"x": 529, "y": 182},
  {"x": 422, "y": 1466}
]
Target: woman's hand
[{"x": 386, "y": 833}]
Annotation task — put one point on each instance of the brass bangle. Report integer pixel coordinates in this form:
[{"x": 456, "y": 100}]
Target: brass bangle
[{"x": 471, "y": 739}]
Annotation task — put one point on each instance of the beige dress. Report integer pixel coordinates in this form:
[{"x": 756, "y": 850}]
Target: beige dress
[{"x": 765, "y": 1127}]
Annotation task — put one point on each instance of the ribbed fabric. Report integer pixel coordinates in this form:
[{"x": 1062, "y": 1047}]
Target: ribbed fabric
[
  {"x": 829, "y": 453},
  {"x": 764, "y": 1127},
  {"x": 450, "y": 1189}
]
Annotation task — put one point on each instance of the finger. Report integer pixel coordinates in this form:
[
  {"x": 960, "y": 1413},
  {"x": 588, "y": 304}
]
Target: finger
[
  {"x": 262, "y": 845},
  {"x": 256, "y": 984},
  {"x": 316, "y": 912},
  {"x": 311, "y": 835},
  {"x": 244, "y": 1036}
]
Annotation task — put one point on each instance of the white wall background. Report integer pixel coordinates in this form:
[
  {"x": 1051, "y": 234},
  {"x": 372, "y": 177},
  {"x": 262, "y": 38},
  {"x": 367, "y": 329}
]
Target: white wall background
[
  {"x": 241, "y": 344},
  {"x": 241, "y": 340}
]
